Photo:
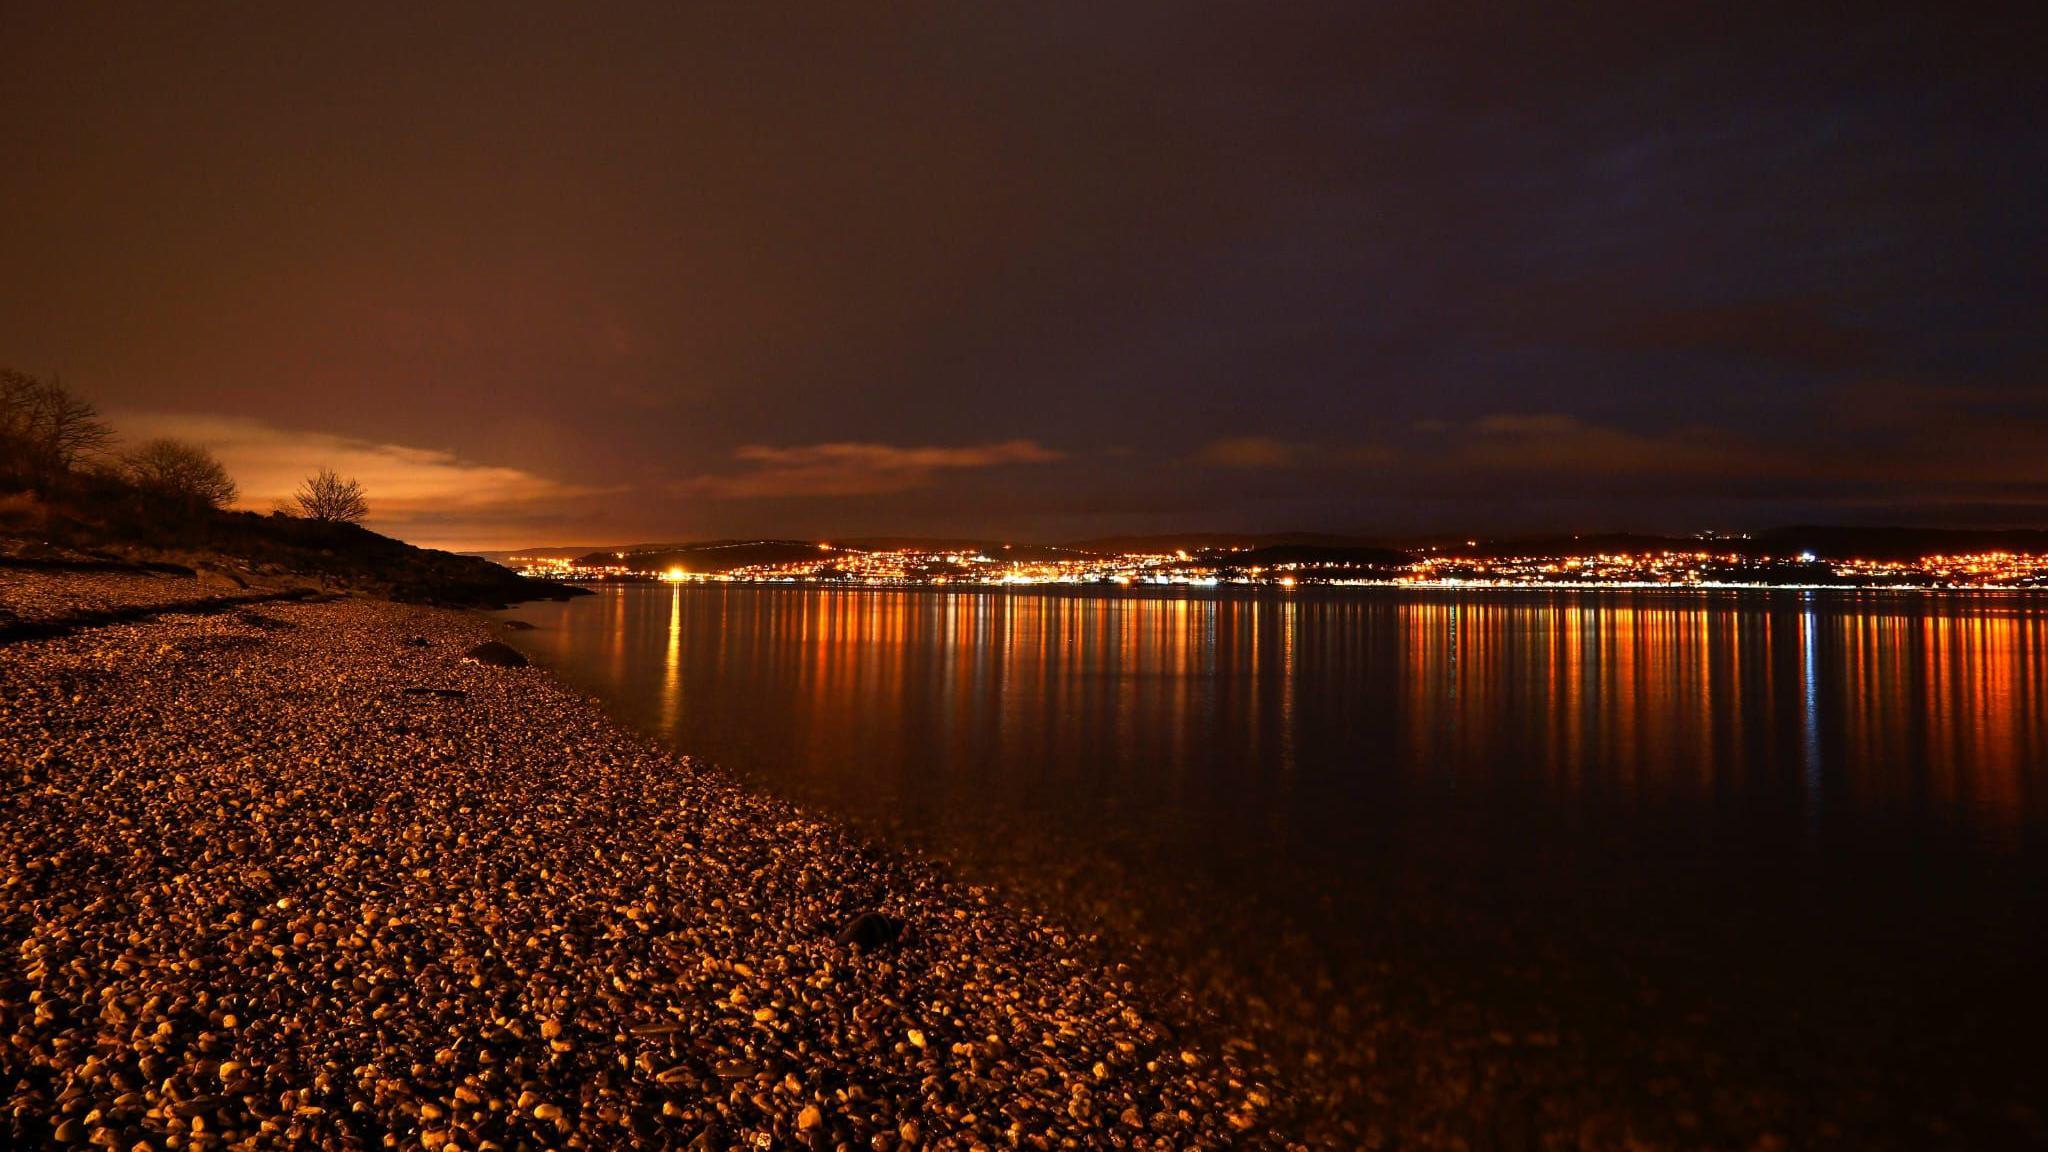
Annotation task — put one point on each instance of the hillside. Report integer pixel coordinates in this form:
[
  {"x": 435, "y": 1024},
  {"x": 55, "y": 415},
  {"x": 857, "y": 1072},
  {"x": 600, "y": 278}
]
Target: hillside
[
  {"x": 1160, "y": 544},
  {"x": 99, "y": 525},
  {"x": 708, "y": 557}
]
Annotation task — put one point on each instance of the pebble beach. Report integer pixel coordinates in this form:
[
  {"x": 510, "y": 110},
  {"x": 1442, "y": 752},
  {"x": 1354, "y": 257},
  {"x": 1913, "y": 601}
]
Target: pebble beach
[{"x": 302, "y": 875}]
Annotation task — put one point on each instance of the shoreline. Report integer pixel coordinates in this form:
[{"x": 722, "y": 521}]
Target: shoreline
[
  {"x": 1457, "y": 1008},
  {"x": 262, "y": 896}
]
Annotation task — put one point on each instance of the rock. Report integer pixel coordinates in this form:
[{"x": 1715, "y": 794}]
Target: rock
[
  {"x": 419, "y": 642},
  {"x": 443, "y": 693},
  {"x": 870, "y": 930},
  {"x": 496, "y": 655},
  {"x": 224, "y": 575},
  {"x": 518, "y": 626}
]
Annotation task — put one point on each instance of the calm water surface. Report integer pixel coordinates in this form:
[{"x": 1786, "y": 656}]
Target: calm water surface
[{"x": 1800, "y": 836}]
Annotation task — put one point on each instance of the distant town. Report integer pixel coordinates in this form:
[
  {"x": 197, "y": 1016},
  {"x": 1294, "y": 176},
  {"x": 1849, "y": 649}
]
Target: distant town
[{"x": 1772, "y": 560}]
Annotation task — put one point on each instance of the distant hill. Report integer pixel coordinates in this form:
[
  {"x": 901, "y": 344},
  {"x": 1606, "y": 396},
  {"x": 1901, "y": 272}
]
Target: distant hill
[
  {"x": 1365, "y": 561},
  {"x": 1899, "y": 543},
  {"x": 1825, "y": 542},
  {"x": 709, "y": 557},
  {"x": 1588, "y": 544},
  {"x": 1214, "y": 541},
  {"x": 568, "y": 552},
  {"x": 1012, "y": 549}
]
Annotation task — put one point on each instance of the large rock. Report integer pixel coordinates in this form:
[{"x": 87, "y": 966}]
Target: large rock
[
  {"x": 870, "y": 930},
  {"x": 496, "y": 654}
]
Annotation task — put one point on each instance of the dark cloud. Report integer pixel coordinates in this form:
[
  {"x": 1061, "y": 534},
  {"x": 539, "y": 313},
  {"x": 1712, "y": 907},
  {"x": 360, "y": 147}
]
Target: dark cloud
[
  {"x": 1554, "y": 444},
  {"x": 1781, "y": 335},
  {"x": 848, "y": 469},
  {"x": 610, "y": 248},
  {"x": 1252, "y": 452}
]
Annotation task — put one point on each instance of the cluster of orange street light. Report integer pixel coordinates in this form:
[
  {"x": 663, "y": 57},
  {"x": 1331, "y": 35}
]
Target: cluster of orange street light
[{"x": 1667, "y": 568}]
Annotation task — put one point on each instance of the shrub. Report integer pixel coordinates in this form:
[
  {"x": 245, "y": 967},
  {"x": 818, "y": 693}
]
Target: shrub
[
  {"x": 181, "y": 472},
  {"x": 326, "y": 496}
]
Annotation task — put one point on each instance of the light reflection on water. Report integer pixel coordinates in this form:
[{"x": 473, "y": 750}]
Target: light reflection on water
[{"x": 1646, "y": 780}]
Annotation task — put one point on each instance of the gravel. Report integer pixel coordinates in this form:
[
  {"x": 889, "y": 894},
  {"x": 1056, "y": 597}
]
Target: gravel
[
  {"x": 260, "y": 891},
  {"x": 32, "y": 596}
]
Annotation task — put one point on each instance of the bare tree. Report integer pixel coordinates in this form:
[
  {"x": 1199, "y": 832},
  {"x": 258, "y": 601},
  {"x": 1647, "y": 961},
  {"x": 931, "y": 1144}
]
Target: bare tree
[
  {"x": 17, "y": 440},
  {"x": 326, "y": 496},
  {"x": 45, "y": 431},
  {"x": 184, "y": 472},
  {"x": 75, "y": 428}
]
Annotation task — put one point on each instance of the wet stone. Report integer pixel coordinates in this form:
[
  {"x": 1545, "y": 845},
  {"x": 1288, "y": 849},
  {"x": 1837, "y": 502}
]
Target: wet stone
[
  {"x": 496, "y": 654},
  {"x": 440, "y": 693},
  {"x": 870, "y": 930}
]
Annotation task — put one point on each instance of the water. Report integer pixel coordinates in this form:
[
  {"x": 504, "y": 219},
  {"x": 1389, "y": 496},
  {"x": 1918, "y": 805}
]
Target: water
[{"x": 1787, "y": 848}]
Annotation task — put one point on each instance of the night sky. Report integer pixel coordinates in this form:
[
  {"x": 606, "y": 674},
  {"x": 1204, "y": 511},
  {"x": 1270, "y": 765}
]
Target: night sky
[{"x": 588, "y": 274}]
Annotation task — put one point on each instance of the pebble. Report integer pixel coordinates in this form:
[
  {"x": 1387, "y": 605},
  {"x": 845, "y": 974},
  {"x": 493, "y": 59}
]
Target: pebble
[{"x": 257, "y": 897}]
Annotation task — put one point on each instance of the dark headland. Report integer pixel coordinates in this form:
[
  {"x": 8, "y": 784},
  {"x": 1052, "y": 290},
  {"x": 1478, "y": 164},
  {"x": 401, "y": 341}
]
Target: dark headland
[{"x": 101, "y": 526}]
